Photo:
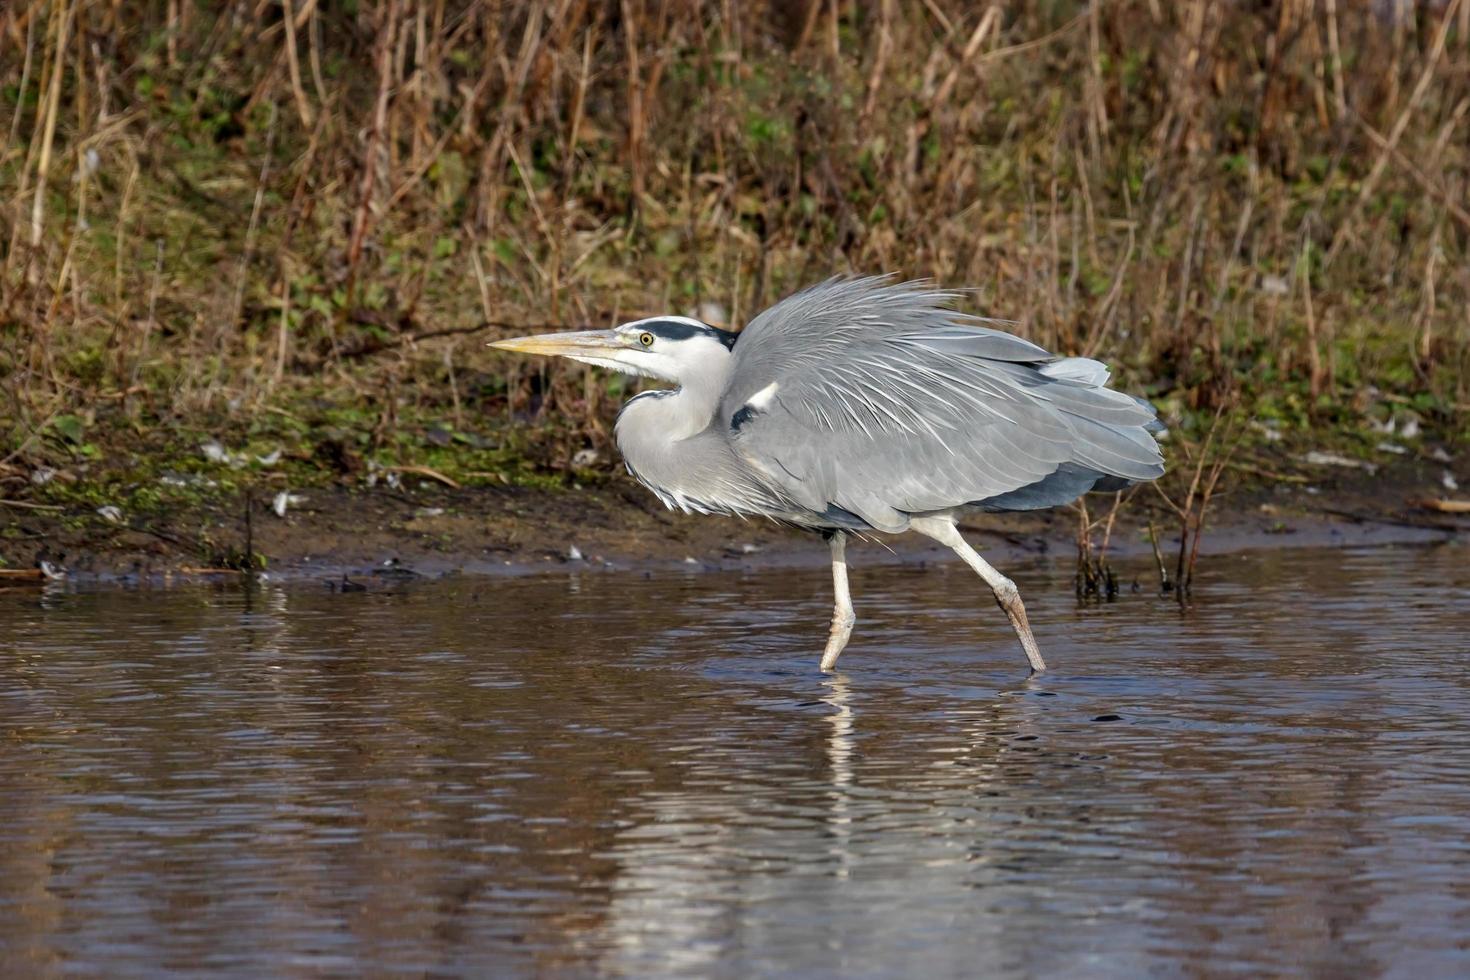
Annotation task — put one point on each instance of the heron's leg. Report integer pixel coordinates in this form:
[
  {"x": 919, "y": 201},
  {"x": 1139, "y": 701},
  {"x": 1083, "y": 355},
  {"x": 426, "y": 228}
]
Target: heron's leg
[
  {"x": 944, "y": 531},
  {"x": 842, "y": 615}
]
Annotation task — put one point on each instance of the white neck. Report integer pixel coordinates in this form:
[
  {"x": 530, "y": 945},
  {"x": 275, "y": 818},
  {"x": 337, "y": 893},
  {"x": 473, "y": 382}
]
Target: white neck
[
  {"x": 673, "y": 443},
  {"x": 690, "y": 409}
]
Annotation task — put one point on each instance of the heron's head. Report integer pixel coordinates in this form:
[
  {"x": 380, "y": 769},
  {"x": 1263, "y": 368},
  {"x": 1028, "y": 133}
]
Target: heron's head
[{"x": 670, "y": 348}]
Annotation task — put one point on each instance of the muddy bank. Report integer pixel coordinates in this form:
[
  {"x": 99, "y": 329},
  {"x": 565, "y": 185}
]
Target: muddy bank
[{"x": 424, "y": 527}]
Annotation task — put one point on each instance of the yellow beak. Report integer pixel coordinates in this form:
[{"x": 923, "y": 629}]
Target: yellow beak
[{"x": 586, "y": 343}]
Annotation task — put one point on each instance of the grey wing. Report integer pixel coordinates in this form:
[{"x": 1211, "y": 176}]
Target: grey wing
[{"x": 876, "y": 399}]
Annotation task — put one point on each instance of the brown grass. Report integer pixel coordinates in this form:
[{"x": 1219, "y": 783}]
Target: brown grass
[{"x": 213, "y": 210}]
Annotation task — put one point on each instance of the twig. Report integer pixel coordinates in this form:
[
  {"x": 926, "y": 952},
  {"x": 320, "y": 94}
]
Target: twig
[
  {"x": 1425, "y": 182},
  {"x": 982, "y": 30},
  {"x": 27, "y": 505},
  {"x": 425, "y": 472},
  {"x": 1153, "y": 539},
  {"x": 1032, "y": 44},
  {"x": 1445, "y": 506}
]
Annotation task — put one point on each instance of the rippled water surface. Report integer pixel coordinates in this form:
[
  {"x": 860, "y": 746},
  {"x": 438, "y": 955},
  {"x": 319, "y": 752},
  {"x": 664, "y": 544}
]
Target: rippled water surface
[{"x": 626, "y": 775}]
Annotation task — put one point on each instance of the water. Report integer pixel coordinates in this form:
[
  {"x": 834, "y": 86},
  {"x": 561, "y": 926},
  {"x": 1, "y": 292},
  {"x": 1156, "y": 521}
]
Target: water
[{"x": 622, "y": 775}]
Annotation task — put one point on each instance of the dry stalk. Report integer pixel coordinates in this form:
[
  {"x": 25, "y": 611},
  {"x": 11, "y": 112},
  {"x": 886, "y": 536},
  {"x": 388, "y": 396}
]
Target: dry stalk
[
  {"x": 293, "y": 63},
  {"x": 142, "y": 355},
  {"x": 1314, "y": 354},
  {"x": 880, "y": 58},
  {"x": 25, "y": 79},
  {"x": 1210, "y": 462},
  {"x": 637, "y": 121},
  {"x": 361, "y": 222},
  {"x": 61, "y": 15},
  {"x": 237, "y": 303},
  {"x": 1165, "y": 586},
  {"x": 124, "y": 217},
  {"x": 1095, "y": 578}
]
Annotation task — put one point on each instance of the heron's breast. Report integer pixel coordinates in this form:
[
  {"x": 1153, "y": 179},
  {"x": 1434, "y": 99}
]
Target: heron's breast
[{"x": 694, "y": 473}]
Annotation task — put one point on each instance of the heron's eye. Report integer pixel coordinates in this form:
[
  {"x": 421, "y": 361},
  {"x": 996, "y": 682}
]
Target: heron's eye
[{"x": 646, "y": 339}]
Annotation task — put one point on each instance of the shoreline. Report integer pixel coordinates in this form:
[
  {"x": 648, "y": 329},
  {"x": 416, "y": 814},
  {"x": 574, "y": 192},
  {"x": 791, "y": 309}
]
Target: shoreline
[{"x": 337, "y": 534}]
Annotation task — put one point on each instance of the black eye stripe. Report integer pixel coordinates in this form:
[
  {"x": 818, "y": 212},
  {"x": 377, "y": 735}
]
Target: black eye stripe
[{"x": 679, "y": 330}]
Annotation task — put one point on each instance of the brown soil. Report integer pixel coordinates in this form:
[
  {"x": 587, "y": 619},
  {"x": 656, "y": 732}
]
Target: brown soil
[{"x": 429, "y": 529}]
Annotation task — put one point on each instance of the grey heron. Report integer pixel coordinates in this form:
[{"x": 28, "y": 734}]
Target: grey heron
[{"x": 864, "y": 405}]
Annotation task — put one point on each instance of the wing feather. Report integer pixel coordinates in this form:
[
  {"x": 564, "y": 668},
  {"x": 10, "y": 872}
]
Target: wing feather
[{"x": 888, "y": 403}]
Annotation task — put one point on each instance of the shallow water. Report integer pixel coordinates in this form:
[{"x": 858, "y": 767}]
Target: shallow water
[{"x": 627, "y": 775}]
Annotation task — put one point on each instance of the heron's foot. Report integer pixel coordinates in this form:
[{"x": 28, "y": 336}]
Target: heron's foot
[
  {"x": 837, "y": 636},
  {"x": 1010, "y": 602}
]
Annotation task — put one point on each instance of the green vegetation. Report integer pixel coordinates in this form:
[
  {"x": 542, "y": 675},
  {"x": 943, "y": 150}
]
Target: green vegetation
[{"x": 295, "y": 233}]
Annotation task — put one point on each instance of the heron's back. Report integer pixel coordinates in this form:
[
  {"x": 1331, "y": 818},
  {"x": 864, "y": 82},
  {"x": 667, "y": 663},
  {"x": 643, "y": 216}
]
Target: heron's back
[{"x": 874, "y": 399}]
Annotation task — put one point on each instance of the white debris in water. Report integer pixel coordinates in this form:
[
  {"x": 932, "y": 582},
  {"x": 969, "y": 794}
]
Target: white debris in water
[
  {"x": 1390, "y": 447},
  {"x": 749, "y": 549},
  {"x": 1449, "y": 482},
  {"x": 574, "y": 553},
  {"x": 285, "y": 499},
  {"x": 51, "y": 572},
  {"x": 429, "y": 512},
  {"x": 1315, "y": 458},
  {"x": 1439, "y": 455},
  {"x": 689, "y": 560},
  {"x": 109, "y": 512}
]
